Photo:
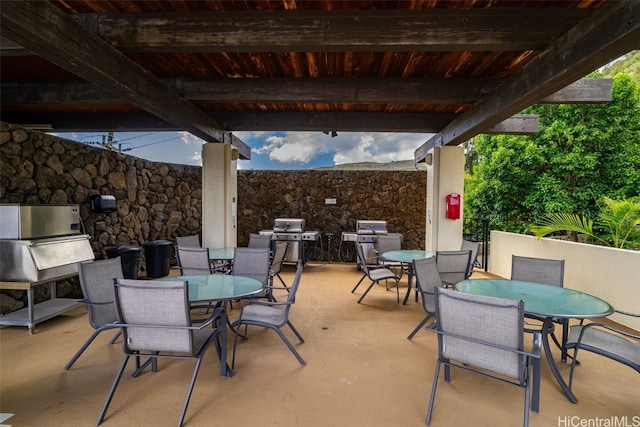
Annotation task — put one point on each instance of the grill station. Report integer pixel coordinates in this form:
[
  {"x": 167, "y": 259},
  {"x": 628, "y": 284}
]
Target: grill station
[
  {"x": 366, "y": 233},
  {"x": 292, "y": 231},
  {"x": 40, "y": 244}
]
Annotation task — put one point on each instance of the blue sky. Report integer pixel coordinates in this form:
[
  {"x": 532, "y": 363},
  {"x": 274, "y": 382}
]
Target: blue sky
[{"x": 269, "y": 150}]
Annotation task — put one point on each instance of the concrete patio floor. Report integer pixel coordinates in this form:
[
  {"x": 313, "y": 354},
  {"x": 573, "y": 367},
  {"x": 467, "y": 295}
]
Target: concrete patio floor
[{"x": 362, "y": 371}]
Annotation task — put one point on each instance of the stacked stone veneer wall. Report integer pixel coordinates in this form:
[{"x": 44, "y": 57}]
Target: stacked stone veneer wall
[{"x": 158, "y": 201}]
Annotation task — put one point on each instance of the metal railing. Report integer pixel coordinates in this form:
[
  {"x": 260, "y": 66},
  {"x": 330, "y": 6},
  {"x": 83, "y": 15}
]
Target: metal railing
[{"x": 477, "y": 230}]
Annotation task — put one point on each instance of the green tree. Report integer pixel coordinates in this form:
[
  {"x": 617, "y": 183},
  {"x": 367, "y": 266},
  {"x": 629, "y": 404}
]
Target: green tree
[
  {"x": 617, "y": 225},
  {"x": 582, "y": 153}
]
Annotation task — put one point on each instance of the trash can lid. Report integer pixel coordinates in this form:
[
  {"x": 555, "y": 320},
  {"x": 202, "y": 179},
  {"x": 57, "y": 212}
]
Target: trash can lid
[
  {"x": 158, "y": 243},
  {"x": 129, "y": 248}
]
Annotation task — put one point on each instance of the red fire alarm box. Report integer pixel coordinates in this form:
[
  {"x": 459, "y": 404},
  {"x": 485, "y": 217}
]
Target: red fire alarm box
[{"x": 453, "y": 206}]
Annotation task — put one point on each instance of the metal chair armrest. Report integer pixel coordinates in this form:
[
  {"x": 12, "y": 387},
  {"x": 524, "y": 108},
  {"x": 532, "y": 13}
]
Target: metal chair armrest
[{"x": 534, "y": 353}]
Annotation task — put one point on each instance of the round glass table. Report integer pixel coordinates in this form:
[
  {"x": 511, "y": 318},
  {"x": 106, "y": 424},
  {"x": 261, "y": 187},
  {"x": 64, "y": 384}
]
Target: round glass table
[
  {"x": 406, "y": 256},
  {"x": 544, "y": 301}
]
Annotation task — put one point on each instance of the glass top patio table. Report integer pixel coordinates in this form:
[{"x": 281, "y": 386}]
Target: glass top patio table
[
  {"x": 407, "y": 256},
  {"x": 221, "y": 254},
  {"x": 219, "y": 288},
  {"x": 548, "y": 302},
  {"x": 540, "y": 299}
]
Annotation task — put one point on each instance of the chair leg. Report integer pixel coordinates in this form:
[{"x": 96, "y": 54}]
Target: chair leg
[
  {"x": 83, "y": 348},
  {"x": 190, "y": 390},
  {"x": 432, "y": 397},
  {"x": 358, "y": 284},
  {"x": 366, "y": 292},
  {"x": 295, "y": 331},
  {"x": 235, "y": 343},
  {"x": 112, "y": 390},
  {"x": 282, "y": 281},
  {"x": 424, "y": 322},
  {"x": 527, "y": 397},
  {"x": 288, "y": 343},
  {"x": 113, "y": 340}
]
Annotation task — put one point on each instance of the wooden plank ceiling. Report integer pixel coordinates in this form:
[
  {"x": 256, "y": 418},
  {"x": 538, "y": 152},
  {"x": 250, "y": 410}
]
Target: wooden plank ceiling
[{"x": 450, "y": 67}]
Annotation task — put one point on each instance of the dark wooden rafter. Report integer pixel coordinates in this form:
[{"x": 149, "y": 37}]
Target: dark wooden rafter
[
  {"x": 321, "y": 90},
  {"x": 337, "y": 31},
  {"x": 594, "y": 42},
  {"x": 273, "y": 121},
  {"x": 52, "y": 34}
]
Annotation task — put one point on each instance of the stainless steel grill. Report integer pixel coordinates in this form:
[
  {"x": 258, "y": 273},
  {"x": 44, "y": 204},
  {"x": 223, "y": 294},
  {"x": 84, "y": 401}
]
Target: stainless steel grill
[
  {"x": 40, "y": 244},
  {"x": 367, "y": 232},
  {"x": 292, "y": 231}
]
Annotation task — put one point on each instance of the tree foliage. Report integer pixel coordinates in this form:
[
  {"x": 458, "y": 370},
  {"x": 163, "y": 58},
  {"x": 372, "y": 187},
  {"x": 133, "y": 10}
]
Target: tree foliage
[
  {"x": 581, "y": 154},
  {"x": 617, "y": 225}
]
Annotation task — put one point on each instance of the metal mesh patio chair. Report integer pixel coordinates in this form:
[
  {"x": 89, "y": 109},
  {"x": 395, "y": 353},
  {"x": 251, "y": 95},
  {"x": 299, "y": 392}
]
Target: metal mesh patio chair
[
  {"x": 193, "y": 261},
  {"x": 96, "y": 282},
  {"x": 270, "y": 314},
  {"x": 254, "y": 263},
  {"x": 155, "y": 323},
  {"x": 386, "y": 243},
  {"x": 485, "y": 336},
  {"x": 453, "y": 266},
  {"x": 192, "y": 241},
  {"x": 473, "y": 247},
  {"x": 605, "y": 340},
  {"x": 547, "y": 272},
  {"x": 277, "y": 262},
  {"x": 259, "y": 241},
  {"x": 427, "y": 278},
  {"x": 374, "y": 274}
]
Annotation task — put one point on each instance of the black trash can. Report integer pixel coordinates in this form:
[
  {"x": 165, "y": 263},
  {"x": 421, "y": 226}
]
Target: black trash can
[
  {"x": 129, "y": 258},
  {"x": 157, "y": 255}
]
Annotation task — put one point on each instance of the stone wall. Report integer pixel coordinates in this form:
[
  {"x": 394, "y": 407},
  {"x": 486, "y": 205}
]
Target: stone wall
[{"x": 157, "y": 201}]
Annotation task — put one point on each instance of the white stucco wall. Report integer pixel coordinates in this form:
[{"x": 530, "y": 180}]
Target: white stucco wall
[
  {"x": 608, "y": 273},
  {"x": 445, "y": 175}
]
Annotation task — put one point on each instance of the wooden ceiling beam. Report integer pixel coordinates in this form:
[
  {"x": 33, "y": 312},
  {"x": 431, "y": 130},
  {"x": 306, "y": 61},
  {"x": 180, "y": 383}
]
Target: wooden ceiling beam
[
  {"x": 302, "y": 90},
  {"x": 267, "y": 121},
  {"x": 50, "y": 33},
  {"x": 611, "y": 32},
  {"x": 336, "y": 31}
]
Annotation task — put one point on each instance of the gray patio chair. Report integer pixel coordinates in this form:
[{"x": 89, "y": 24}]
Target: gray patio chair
[
  {"x": 193, "y": 261},
  {"x": 155, "y": 323},
  {"x": 473, "y": 247},
  {"x": 277, "y": 263},
  {"x": 547, "y": 272},
  {"x": 373, "y": 274},
  {"x": 427, "y": 278},
  {"x": 605, "y": 340},
  {"x": 485, "y": 336},
  {"x": 386, "y": 243},
  {"x": 96, "y": 282},
  {"x": 453, "y": 266},
  {"x": 254, "y": 263},
  {"x": 192, "y": 241},
  {"x": 259, "y": 241},
  {"x": 270, "y": 314}
]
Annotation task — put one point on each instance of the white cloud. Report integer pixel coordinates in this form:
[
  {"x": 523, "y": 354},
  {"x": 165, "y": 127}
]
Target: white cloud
[
  {"x": 293, "y": 147},
  {"x": 380, "y": 147},
  {"x": 189, "y": 139}
]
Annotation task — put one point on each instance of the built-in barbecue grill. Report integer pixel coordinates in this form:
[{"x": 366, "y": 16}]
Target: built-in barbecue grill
[
  {"x": 291, "y": 230},
  {"x": 366, "y": 233},
  {"x": 367, "y": 230},
  {"x": 40, "y": 244}
]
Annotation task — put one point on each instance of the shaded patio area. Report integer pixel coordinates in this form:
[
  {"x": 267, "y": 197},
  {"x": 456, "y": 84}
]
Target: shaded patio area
[{"x": 362, "y": 371}]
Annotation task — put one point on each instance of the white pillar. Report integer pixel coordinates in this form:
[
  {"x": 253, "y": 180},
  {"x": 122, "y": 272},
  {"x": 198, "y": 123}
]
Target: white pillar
[
  {"x": 445, "y": 175},
  {"x": 219, "y": 195}
]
